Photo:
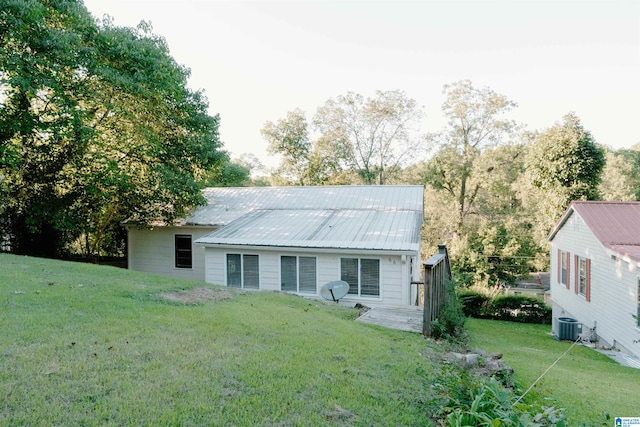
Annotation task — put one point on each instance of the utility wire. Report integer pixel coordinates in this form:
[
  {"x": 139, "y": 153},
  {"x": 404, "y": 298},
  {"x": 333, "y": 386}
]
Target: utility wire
[{"x": 545, "y": 372}]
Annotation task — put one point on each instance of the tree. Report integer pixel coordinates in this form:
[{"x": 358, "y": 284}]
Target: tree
[
  {"x": 475, "y": 123},
  {"x": 618, "y": 180},
  {"x": 97, "y": 126},
  {"x": 289, "y": 138},
  {"x": 564, "y": 163},
  {"x": 375, "y": 135}
]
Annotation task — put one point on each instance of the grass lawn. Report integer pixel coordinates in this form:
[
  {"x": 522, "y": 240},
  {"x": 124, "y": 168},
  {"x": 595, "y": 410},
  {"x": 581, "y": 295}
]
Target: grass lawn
[
  {"x": 90, "y": 345},
  {"x": 585, "y": 382}
]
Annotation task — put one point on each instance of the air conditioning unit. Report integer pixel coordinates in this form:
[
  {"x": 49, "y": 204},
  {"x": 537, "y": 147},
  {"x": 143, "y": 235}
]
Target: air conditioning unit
[{"x": 568, "y": 328}]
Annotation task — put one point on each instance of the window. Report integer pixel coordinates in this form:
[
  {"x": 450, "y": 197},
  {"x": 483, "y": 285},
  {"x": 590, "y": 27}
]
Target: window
[
  {"x": 243, "y": 271},
  {"x": 362, "y": 275},
  {"x": 298, "y": 274},
  {"x": 583, "y": 277},
  {"x": 564, "y": 261},
  {"x": 183, "y": 251}
]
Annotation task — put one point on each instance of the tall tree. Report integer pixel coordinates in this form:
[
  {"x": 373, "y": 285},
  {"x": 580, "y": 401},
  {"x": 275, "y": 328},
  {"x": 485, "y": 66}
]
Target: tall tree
[
  {"x": 563, "y": 163},
  {"x": 289, "y": 138},
  {"x": 476, "y": 122},
  {"x": 618, "y": 180},
  {"x": 98, "y": 126},
  {"x": 376, "y": 135}
]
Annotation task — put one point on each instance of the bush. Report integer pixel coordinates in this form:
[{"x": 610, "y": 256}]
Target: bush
[
  {"x": 463, "y": 399},
  {"x": 450, "y": 323},
  {"x": 514, "y": 308},
  {"x": 475, "y": 304},
  {"x": 520, "y": 308}
]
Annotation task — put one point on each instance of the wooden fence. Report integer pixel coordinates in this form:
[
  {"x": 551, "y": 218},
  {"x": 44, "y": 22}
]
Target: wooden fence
[{"x": 437, "y": 280}]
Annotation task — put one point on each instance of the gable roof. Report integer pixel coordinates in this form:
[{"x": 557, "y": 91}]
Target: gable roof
[
  {"x": 615, "y": 224},
  {"x": 336, "y": 217}
]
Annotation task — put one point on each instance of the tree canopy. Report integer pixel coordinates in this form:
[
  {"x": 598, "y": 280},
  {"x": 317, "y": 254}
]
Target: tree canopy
[
  {"x": 476, "y": 122},
  {"x": 564, "y": 163},
  {"x": 97, "y": 126}
]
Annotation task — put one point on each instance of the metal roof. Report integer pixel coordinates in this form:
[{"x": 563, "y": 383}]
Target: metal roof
[
  {"x": 615, "y": 224},
  {"x": 337, "y": 217}
]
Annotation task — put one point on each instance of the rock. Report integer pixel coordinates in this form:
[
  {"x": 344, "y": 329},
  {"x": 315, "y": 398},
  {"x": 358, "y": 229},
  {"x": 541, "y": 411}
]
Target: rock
[{"x": 470, "y": 360}]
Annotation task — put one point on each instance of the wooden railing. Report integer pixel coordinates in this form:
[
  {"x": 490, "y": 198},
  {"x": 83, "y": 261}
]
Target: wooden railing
[{"x": 437, "y": 280}]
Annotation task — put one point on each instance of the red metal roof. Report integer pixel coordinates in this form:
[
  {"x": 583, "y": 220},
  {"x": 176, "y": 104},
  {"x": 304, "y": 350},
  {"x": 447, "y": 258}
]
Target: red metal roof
[{"x": 615, "y": 224}]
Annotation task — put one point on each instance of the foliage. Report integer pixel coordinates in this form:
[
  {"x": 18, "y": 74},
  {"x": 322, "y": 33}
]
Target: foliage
[
  {"x": 289, "y": 138},
  {"x": 619, "y": 179},
  {"x": 564, "y": 163},
  {"x": 97, "y": 126},
  {"x": 514, "y": 308},
  {"x": 450, "y": 322},
  {"x": 493, "y": 406},
  {"x": 529, "y": 349},
  {"x": 521, "y": 308},
  {"x": 375, "y": 136},
  {"x": 493, "y": 252},
  {"x": 228, "y": 173},
  {"x": 475, "y": 304},
  {"x": 475, "y": 124}
]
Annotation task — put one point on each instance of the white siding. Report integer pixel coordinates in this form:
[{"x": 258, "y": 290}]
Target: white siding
[
  {"x": 613, "y": 288},
  {"x": 152, "y": 251},
  {"x": 394, "y": 274}
]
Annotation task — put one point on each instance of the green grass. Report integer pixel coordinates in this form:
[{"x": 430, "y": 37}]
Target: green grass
[
  {"x": 90, "y": 345},
  {"x": 585, "y": 382}
]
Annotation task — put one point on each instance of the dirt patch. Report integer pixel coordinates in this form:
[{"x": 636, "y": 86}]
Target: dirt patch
[{"x": 197, "y": 295}]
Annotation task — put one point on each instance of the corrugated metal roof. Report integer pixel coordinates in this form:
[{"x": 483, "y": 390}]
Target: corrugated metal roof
[
  {"x": 227, "y": 204},
  {"x": 338, "y": 229},
  {"x": 615, "y": 224},
  {"x": 346, "y": 217}
]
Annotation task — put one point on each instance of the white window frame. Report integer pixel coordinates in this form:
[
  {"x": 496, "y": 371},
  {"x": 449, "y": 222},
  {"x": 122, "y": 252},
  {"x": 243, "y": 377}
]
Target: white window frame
[
  {"x": 300, "y": 274},
  {"x": 358, "y": 286},
  {"x": 564, "y": 267},
  {"x": 242, "y": 273},
  {"x": 582, "y": 276}
]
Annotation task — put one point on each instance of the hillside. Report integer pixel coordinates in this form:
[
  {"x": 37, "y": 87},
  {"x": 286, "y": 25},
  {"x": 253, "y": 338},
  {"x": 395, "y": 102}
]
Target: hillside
[{"x": 93, "y": 345}]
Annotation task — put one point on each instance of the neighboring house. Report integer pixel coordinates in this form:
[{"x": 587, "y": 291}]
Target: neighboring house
[
  {"x": 595, "y": 271},
  {"x": 294, "y": 239}
]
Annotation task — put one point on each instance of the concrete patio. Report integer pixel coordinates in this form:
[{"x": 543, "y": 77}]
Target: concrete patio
[{"x": 402, "y": 318}]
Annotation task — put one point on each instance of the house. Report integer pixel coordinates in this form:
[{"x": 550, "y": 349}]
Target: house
[
  {"x": 294, "y": 239},
  {"x": 595, "y": 271}
]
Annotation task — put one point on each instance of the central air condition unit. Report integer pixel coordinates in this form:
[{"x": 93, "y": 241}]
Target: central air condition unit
[{"x": 568, "y": 328}]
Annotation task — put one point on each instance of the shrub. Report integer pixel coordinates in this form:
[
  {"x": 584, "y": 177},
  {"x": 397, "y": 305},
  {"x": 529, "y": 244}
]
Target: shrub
[
  {"x": 520, "y": 308},
  {"x": 515, "y": 308},
  {"x": 475, "y": 304},
  {"x": 463, "y": 400},
  {"x": 450, "y": 323}
]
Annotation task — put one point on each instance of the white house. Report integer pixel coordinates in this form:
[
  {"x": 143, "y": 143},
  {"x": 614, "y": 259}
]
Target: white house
[
  {"x": 595, "y": 271},
  {"x": 294, "y": 239}
]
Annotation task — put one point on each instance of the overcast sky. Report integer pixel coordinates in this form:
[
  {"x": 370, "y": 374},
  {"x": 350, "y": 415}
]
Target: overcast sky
[{"x": 258, "y": 60}]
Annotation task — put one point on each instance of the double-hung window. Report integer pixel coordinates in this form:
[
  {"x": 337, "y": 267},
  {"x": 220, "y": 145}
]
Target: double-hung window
[
  {"x": 243, "y": 271},
  {"x": 583, "y": 277},
  {"x": 298, "y": 274},
  {"x": 183, "y": 251},
  {"x": 564, "y": 268},
  {"x": 362, "y": 275}
]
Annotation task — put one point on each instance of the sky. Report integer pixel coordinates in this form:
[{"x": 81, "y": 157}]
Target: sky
[{"x": 257, "y": 60}]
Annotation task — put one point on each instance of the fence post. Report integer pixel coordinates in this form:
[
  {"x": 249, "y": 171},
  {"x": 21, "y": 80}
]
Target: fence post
[{"x": 428, "y": 299}]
